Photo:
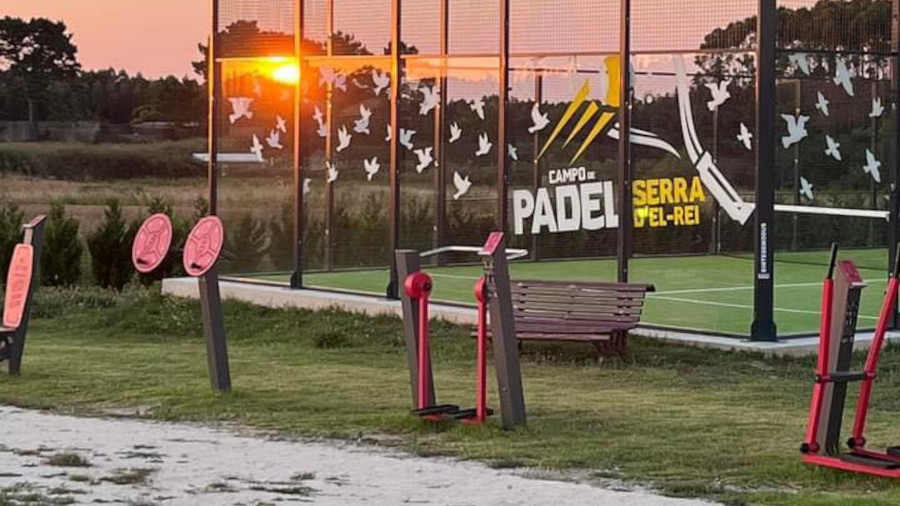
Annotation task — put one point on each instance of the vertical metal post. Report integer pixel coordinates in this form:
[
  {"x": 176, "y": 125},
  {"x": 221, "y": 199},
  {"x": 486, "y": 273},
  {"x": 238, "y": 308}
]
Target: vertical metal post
[
  {"x": 440, "y": 137},
  {"x": 297, "y": 275},
  {"x": 536, "y": 176},
  {"x": 214, "y": 328},
  {"x": 502, "y": 131},
  {"x": 763, "y": 327},
  {"x": 213, "y": 90},
  {"x": 34, "y": 235},
  {"x": 795, "y": 232},
  {"x": 408, "y": 262},
  {"x": 329, "y": 144},
  {"x": 873, "y": 146},
  {"x": 715, "y": 243},
  {"x": 393, "y": 288},
  {"x": 626, "y": 222},
  {"x": 894, "y": 217}
]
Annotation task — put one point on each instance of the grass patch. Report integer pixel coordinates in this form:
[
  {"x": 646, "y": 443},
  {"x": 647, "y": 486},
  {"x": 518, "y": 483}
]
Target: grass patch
[
  {"x": 67, "y": 459},
  {"x": 80, "y": 478},
  {"x": 692, "y": 422},
  {"x": 303, "y": 476},
  {"x": 133, "y": 476}
]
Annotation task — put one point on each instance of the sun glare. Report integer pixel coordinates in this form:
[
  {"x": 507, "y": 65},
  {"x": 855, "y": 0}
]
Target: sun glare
[{"x": 288, "y": 73}]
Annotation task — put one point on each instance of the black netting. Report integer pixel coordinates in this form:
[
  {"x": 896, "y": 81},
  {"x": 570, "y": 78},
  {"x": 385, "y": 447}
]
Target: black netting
[{"x": 255, "y": 28}]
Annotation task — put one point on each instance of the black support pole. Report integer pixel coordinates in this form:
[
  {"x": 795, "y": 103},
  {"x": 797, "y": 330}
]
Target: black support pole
[
  {"x": 626, "y": 223},
  {"x": 297, "y": 275},
  {"x": 213, "y": 89},
  {"x": 894, "y": 217},
  {"x": 502, "y": 130},
  {"x": 440, "y": 127},
  {"x": 763, "y": 327},
  {"x": 329, "y": 141},
  {"x": 393, "y": 288}
]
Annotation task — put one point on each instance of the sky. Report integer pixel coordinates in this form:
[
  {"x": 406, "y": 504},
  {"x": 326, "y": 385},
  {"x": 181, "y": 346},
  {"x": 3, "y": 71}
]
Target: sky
[{"x": 154, "y": 37}]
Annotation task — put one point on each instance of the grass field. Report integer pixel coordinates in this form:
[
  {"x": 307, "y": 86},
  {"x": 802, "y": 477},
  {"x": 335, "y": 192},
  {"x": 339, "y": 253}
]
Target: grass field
[
  {"x": 712, "y": 293},
  {"x": 688, "y": 421}
]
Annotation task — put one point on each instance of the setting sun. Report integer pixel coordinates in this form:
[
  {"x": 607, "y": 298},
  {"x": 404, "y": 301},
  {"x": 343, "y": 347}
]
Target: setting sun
[{"x": 288, "y": 73}]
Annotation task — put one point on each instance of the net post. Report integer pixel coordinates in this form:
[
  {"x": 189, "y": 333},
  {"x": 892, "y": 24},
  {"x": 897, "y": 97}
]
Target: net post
[
  {"x": 502, "y": 130},
  {"x": 213, "y": 90},
  {"x": 763, "y": 327},
  {"x": 393, "y": 288},
  {"x": 894, "y": 215},
  {"x": 626, "y": 222},
  {"x": 297, "y": 243}
]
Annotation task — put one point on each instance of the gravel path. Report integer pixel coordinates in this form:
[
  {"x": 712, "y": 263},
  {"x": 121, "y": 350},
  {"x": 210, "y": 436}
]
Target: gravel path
[{"x": 133, "y": 462}]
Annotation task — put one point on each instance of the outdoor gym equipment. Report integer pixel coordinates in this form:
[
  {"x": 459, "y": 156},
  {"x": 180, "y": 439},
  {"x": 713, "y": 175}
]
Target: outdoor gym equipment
[
  {"x": 840, "y": 309},
  {"x": 493, "y": 295},
  {"x": 22, "y": 281},
  {"x": 202, "y": 250}
]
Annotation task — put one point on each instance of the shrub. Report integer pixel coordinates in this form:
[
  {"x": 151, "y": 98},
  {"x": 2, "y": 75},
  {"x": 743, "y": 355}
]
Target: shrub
[
  {"x": 248, "y": 242},
  {"x": 61, "y": 257},
  {"x": 11, "y": 219},
  {"x": 110, "y": 248}
]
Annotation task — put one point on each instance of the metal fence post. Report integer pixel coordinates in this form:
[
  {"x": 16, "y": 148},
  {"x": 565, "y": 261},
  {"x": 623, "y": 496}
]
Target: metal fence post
[
  {"x": 393, "y": 288},
  {"x": 213, "y": 89},
  {"x": 626, "y": 223},
  {"x": 297, "y": 275},
  {"x": 502, "y": 130}
]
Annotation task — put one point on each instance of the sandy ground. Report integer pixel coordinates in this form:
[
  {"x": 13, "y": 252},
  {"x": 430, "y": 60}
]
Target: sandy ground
[{"x": 134, "y": 462}]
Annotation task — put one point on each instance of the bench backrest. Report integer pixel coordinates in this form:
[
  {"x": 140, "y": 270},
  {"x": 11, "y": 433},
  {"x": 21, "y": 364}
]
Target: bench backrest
[
  {"x": 18, "y": 285},
  {"x": 614, "y": 303}
]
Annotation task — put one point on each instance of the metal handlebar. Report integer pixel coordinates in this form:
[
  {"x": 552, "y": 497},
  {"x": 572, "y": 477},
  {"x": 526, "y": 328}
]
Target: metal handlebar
[{"x": 511, "y": 254}]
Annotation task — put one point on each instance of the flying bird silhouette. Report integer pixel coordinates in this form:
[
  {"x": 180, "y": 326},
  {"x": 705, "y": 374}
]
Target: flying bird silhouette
[
  {"x": 477, "y": 107},
  {"x": 872, "y": 166},
  {"x": 327, "y": 75},
  {"x": 390, "y": 134},
  {"x": 833, "y": 148},
  {"x": 320, "y": 119},
  {"x": 462, "y": 185},
  {"x": 746, "y": 137},
  {"x": 539, "y": 121},
  {"x": 280, "y": 124},
  {"x": 431, "y": 98},
  {"x": 720, "y": 94},
  {"x": 333, "y": 173},
  {"x": 406, "y": 138},
  {"x": 425, "y": 158},
  {"x": 455, "y": 132},
  {"x": 796, "y": 129},
  {"x": 843, "y": 78},
  {"x": 340, "y": 82},
  {"x": 806, "y": 189},
  {"x": 307, "y": 186},
  {"x": 381, "y": 81},
  {"x": 344, "y": 138},
  {"x": 372, "y": 167},
  {"x": 362, "y": 124},
  {"x": 801, "y": 61},
  {"x": 240, "y": 107},
  {"x": 274, "y": 140},
  {"x": 822, "y": 103},
  {"x": 359, "y": 85},
  {"x": 257, "y": 148},
  {"x": 484, "y": 145},
  {"x": 877, "y": 108},
  {"x": 513, "y": 152}
]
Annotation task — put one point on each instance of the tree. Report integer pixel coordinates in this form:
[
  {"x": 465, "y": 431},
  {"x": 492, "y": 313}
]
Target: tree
[{"x": 36, "y": 54}]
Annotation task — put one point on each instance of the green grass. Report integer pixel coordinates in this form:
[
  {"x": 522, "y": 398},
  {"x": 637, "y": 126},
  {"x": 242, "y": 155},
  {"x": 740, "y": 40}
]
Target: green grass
[
  {"x": 712, "y": 293},
  {"x": 689, "y": 421}
]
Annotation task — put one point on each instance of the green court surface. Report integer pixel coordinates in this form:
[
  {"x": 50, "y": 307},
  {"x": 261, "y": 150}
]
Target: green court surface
[{"x": 709, "y": 293}]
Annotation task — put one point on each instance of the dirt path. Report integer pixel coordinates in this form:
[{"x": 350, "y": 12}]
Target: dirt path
[{"x": 134, "y": 462}]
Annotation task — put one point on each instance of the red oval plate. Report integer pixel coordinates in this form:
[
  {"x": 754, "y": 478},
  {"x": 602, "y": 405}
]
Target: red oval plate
[
  {"x": 203, "y": 246},
  {"x": 152, "y": 243},
  {"x": 18, "y": 284}
]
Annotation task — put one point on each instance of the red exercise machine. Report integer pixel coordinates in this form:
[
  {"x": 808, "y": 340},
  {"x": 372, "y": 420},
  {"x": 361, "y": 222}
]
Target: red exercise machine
[
  {"x": 418, "y": 287},
  {"x": 840, "y": 309}
]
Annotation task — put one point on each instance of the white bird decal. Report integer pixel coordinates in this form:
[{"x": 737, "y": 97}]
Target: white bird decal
[
  {"x": 281, "y": 124},
  {"x": 877, "y": 108},
  {"x": 843, "y": 77},
  {"x": 372, "y": 167},
  {"x": 801, "y": 61},
  {"x": 327, "y": 75},
  {"x": 390, "y": 134},
  {"x": 425, "y": 158},
  {"x": 362, "y": 124},
  {"x": 430, "y": 101},
  {"x": 539, "y": 120},
  {"x": 462, "y": 185},
  {"x": 833, "y": 148},
  {"x": 307, "y": 186},
  {"x": 344, "y": 138},
  {"x": 455, "y": 132},
  {"x": 872, "y": 166},
  {"x": 806, "y": 189},
  {"x": 381, "y": 81},
  {"x": 257, "y": 148},
  {"x": 477, "y": 107},
  {"x": 746, "y": 137},
  {"x": 796, "y": 129},
  {"x": 513, "y": 152},
  {"x": 484, "y": 145},
  {"x": 822, "y": 103},
  {"x": 720, "y": 94},
  {"x": 359, "y": 84},
  {"x": 240, "y": 107},
  {"x": 333, "y": 173},
  {"x": 340, "y": 82},
  {"x": 406, "y": 138},
  {"x": 320, "y": 119},
  {"x": 274, "y": 140}
]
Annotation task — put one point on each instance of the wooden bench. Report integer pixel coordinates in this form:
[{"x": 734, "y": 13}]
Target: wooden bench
[{"x": 596, "y": 313}]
